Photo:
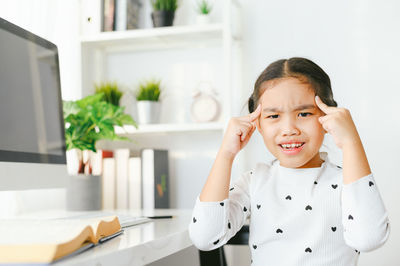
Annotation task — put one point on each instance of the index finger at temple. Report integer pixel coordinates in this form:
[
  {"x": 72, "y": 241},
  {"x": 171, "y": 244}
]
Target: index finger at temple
[
  {"x": 255, "y": 114},
  {"x": 321, "y": 105}
]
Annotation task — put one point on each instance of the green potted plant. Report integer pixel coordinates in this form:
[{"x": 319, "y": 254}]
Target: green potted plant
[
  {"x": 203, "y": 12},
  {"x": 87, "y": 121},
  {"x": 163, "y": 12},
  {"x": 112, "y": 93},
  {"x": 148, "y": 104}
]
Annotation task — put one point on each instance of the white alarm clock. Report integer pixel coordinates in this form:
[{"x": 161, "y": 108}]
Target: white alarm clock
[{"x": 205, "y": 107}]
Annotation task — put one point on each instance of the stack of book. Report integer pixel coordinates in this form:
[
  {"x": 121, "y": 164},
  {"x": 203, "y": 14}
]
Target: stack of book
[
  {"x": 135, "y": 182},
  {"x": 109, "y": 15}
]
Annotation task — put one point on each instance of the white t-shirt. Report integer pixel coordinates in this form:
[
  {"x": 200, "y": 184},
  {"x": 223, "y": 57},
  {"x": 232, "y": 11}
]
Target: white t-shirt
[{"x": 297, "y": 216}]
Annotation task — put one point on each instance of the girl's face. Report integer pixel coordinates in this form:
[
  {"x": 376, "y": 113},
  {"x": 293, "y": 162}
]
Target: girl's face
[{"x": 290, "y": 116}]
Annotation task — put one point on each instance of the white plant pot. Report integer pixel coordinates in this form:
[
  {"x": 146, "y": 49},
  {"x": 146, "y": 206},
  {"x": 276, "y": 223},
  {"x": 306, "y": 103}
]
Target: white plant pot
[
  {"x": 202, "y": 19},
  {"x": 148, "y": 112}
]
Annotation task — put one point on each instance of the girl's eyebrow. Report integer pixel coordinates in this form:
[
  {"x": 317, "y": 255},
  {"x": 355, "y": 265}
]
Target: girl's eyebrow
[{"x": 300, "y": 107}]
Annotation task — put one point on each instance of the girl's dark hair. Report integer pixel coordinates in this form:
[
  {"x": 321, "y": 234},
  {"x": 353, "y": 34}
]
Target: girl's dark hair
[{"x": 301, "y": 68}]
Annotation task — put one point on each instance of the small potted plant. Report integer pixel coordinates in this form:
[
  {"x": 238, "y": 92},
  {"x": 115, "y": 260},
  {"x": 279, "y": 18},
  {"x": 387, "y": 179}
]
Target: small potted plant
[
  {"x": 87, "y": 121},
  {"x": 111, "y": 92},
  {"x": 163, "y": 12},
  {"x": 203, "y": 12},
  {"x": 147, "y": 97}
]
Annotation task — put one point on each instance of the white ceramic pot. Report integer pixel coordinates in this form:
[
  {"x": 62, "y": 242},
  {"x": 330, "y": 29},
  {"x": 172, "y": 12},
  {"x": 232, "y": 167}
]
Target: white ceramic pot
[
  {"x": 148, "y": 112},
  {"x": 202, "y": 19},
  {"x": 84, "y": 193}
]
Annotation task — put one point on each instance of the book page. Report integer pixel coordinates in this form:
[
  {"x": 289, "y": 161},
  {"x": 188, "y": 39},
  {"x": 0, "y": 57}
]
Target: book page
[
  {"x": 36, "y": 231},
  {"x": 107, "y": 225},
  {"x": 94, "y": 223}
]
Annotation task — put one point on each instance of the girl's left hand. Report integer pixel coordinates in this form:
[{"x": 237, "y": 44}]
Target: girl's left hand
[{"x": 338, "y": 123}]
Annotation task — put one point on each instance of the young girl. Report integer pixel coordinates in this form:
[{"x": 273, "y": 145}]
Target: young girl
[{"x": 303, "y": 209}]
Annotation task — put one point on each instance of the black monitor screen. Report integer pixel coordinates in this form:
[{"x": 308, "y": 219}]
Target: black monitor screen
[{"x": 31, "y": 122}]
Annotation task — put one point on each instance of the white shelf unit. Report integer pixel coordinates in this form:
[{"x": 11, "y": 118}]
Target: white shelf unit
[
  {"x": 169, "y": 128},
  {"x": 118, "y": 56},
  {"x": 156, "y": 37},
  {"x": 224, "y": 35}
]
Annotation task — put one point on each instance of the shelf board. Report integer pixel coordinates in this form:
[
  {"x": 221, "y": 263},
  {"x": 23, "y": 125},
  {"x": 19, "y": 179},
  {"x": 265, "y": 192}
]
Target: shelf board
[
  {"x": 169, "y": 128},
  {"x": 157, "y": 37}
]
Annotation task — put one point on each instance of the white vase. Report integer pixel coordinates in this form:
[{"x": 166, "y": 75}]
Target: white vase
[
  {"x": 148, "y": 112},
  {"x": 202, "y": 19}
]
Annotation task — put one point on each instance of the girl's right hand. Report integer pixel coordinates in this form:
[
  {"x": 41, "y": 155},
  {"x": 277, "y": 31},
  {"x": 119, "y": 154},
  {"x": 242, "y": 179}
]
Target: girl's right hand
[{"x": 238, "y": 132}]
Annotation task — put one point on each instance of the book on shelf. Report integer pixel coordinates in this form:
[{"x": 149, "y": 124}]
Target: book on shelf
[
  {"x": 121, "y": 181},
  {"x": 48, "y": 240},
  {"x": 127, "y": 14},
  {"x": 108, "y": 18},
  {"x": 121, "y": 176},
  {"x": 108, "y": 184},
  {"x": 120, "y": 15},
  {"x": 155, "y": 179},
  {"x": 135, "y": 182}
]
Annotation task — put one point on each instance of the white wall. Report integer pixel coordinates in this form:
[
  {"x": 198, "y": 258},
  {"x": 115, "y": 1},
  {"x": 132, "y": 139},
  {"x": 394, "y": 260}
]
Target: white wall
[
  {"x": 357, "y": 43},
  {"x": 58, "y": 22}
]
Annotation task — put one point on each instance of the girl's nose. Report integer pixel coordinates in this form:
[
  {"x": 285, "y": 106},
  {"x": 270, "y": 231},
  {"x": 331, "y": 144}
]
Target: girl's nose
[
  {"x": 289, "y": 127},
  {"x": 290, "y": 132}
]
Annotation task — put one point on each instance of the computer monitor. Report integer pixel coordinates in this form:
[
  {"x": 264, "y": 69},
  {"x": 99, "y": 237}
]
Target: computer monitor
[{"x": 32, "y": 141}]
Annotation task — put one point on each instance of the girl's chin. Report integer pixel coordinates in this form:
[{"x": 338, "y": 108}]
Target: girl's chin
[
  {"x": 290, "y": 164},
  {"x": 299, "y": 162}
]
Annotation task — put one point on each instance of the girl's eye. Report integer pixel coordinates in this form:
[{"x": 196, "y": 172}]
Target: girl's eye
[
  {"x": 272, "y": 116},
  {"x": 304, "y": 114}
]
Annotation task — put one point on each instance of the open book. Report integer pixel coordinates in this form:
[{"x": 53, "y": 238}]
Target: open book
[{"x": 44, "y": 241}]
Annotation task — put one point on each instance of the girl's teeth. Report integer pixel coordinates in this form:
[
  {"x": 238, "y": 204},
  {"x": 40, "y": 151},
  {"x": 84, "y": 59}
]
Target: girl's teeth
[{"x": 291, "y": 146}]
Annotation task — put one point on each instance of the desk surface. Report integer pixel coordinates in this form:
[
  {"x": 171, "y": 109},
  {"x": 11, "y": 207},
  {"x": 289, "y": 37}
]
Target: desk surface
[{"x": 139, "y": 244}]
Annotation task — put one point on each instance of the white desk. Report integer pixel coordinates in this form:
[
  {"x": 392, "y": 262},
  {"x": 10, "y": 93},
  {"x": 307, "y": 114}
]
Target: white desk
[{"x": 140, "y": 244}]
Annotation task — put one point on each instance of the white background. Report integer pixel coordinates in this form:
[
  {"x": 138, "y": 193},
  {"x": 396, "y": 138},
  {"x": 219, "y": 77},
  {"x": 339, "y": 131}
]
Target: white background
[{"x": 356, "y": 42}]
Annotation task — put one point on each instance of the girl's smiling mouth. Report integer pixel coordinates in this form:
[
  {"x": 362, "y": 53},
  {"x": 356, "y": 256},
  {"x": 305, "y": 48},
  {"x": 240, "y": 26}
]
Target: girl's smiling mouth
[{"x": 291, "y": 148}]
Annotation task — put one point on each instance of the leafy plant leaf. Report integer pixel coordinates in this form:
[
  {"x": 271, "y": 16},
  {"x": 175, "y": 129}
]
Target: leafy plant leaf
[{"x": 91, "y": 119}]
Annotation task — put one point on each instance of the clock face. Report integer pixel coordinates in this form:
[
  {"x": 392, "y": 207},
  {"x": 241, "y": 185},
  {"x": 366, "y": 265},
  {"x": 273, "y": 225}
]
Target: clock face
[{"x": 204, "y": 109}]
